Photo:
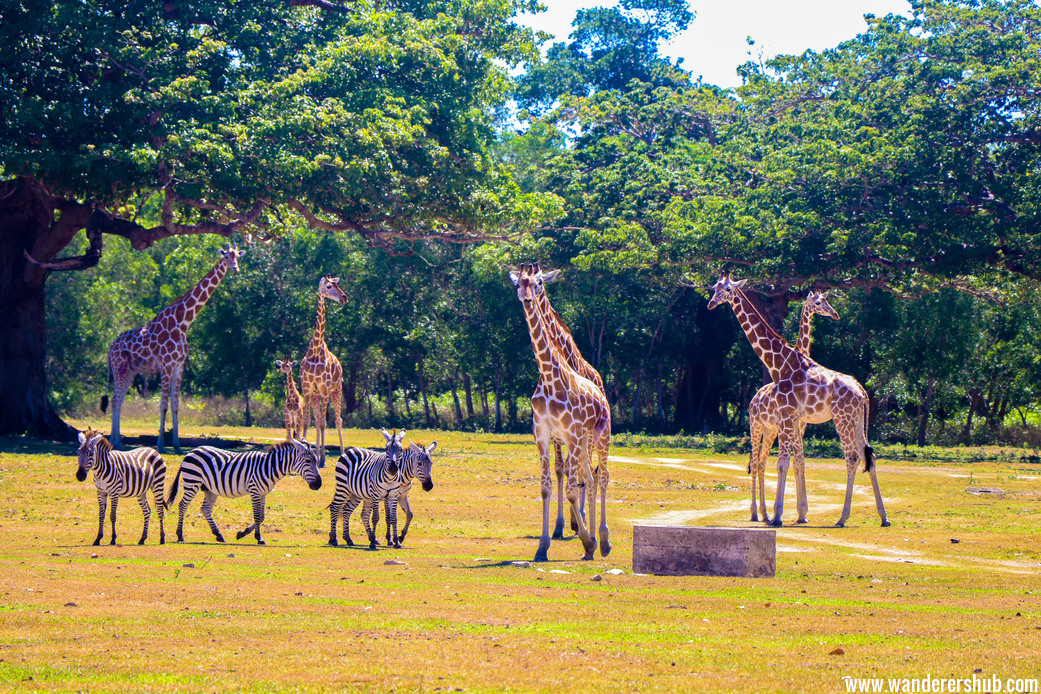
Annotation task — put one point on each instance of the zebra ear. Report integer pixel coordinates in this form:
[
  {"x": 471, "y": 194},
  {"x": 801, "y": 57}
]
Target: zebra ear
[
  {"x": 431, "y": 447},
  {"x": 401, "y": 436},
  {"x": 82, "y": 438},
  {"x": 387, "y": 435}
]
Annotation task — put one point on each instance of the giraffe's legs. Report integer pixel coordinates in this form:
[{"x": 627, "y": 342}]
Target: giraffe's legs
[
  {"x": 319, "y": 423},
  {"x": 175, "y": 403},
  {"x": 755, "y": 437},
  {"x": 769, "y": 436},
  {"x": 881, "y": 507},
  {"x": 543, "y": 444},
  {"x": 788, "y": 443},
  {"x": 558, "y": 529},
  {"x": 605, "y": 478},
  {"x": 121, "y": 378},
  {"x": 164, "y": 402},
  {"x": 799, "y": 464},
  {"x": 578, "y": 468},
  {"x": 336, "y": 398}
]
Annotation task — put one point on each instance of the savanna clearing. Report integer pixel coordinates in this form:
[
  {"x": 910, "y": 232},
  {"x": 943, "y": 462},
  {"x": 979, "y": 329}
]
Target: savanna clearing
[{"x": 952, "y": 588}]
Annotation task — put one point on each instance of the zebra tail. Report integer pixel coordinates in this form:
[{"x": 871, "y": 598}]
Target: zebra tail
[{"x": 173, "y": 490}]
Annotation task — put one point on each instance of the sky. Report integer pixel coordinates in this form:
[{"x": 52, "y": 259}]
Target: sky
[{"x": 715, "y": 43}]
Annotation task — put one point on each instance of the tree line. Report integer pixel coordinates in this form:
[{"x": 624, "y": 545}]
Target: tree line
[{"x": 390, "y": 145}]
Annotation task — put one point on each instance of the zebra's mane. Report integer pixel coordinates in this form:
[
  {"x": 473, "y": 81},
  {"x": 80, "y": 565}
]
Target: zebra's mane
[
  {"x": 278, "y": 446},
  {"x": 104, "y": 444}
]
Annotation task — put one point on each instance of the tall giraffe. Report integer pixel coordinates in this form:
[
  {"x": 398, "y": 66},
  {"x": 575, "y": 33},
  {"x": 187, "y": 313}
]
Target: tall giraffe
[
  {"x": 321, "y": 376},
  {"x": 161, "y": 346},
  {"x": 565, "y": 344},
  {"x": 764, "y": 420},
  {"x": 804, "y": 392},
  {"x": 567, "y": 409}
]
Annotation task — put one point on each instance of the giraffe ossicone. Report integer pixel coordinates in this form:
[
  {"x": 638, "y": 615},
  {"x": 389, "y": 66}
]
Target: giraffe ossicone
[{"x": 161, "y": 346}]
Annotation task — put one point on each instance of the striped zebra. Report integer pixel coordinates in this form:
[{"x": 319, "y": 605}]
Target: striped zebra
[
  {"x": 369, "y": 476},
  {"x": 415, "y": 463},
  {"x": 223, "y": 473},
  {"x": 119, "y": 474}
]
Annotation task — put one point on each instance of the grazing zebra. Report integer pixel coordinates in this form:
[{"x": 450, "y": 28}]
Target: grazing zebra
[
  {"x": 119, "y": 474},
  {"x": 223, "y": 473},
  {"x": 369, "y": 476},
  {"x": 416, "y": 462}
]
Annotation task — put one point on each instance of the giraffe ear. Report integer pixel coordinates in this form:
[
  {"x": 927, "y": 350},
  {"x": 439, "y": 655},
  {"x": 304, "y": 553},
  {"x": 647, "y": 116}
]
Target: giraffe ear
[
  {"x": 515, "y": 276},
  {"x": 293, "y": 363},
  {"x": 550, "y": 276},
  {"x": 739, "y": 284},
  {"x": 278, "y": 364}
]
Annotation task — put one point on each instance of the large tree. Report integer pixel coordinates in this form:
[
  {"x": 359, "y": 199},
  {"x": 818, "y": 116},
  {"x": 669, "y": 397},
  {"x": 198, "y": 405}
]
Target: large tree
[{"x": 147, "y": 120}]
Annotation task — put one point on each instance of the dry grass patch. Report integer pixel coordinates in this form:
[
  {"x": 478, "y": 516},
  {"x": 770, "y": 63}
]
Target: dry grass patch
[{"x": 296, "y": 615}]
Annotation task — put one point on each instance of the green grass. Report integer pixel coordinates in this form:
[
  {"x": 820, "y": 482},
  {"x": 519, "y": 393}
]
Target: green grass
[{"x": 296, "y": 615}]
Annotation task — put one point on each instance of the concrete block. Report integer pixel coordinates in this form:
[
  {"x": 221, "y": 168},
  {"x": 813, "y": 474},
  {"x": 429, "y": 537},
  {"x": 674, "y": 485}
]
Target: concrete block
[{"x": 689, "y": 551}]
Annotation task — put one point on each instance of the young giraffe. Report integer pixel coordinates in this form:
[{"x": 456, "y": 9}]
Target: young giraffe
[
  {"x": 804, "y": 392},
  {"x": 162, "y": 346},
  {"x": 321, "y": 376},
  {"x": 568, "y": 409},
  {"x": 763, "y": 418},
  {"x": 565, "y": 344},
  {"x": 294, "y": 409}
]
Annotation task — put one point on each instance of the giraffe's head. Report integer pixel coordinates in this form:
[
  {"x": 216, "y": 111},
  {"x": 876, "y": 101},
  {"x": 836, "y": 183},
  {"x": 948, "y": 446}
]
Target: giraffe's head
[
  {"x": 544, "y": 277},
  {"x": 230, "y": 257},
  {"x": 817, "y": 302},
  {"x": 528, "y": 281},
  {"x": 394, "y": 450},
  {"x": 87, "y": 452},
  {"x": 285, "y": 367},
  {"x": 725, "y": 290},
  {"x": 329, "y": 287}
]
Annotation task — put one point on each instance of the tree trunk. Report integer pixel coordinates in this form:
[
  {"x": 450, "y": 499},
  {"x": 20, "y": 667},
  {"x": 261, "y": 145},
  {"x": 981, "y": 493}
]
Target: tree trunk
[
  {"x": 249, "y": 415},
  {"x": 926, "y": 406},
  {"x": 455, "y": 399},
  {"x": 423, "y": 392},
  {"x": 469, "y": 396},
  {"x": 498, "y": 404},
  {"x": 27, "y": 224}
]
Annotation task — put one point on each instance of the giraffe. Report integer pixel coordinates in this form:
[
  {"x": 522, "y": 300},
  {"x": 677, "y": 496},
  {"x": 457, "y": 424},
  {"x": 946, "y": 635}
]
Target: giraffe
[
  {"x": 804, "y": 392},
  {"x": 294, "y": 409},
  {"x": 567, "y": 409},
  {"x": 763, "y": 418},
  {"x": 565, "y": 344},
  {"x": 321, "y": 376},
  {"x": 161, "y": 346}
]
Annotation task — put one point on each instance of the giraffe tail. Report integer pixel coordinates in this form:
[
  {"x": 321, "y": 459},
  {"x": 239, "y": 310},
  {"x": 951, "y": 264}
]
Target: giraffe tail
[
  {"x": 869, "y": 452},
  {"x": 108, "y": 373}
]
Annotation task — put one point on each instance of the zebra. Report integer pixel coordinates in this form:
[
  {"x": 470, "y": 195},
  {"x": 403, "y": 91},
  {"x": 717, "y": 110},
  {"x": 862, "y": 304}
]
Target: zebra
[
  {"x": 223, "y": 473},
  {"x": 366, "y": 475},
  {"x": 119, "y": 474},
  {"x": 416, "y": 462}
]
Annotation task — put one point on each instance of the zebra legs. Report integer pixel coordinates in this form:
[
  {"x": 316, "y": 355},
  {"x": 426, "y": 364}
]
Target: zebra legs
[
  {"x": 143, "y": 500},
  {"x": 258, "y": 518},
  {"x": 102, "y": 505},
  {"x": 335, "y": 509},
  {"x": 351, "y": 504},
  {"x": 403, "y": 504},
  {"x": 392, "y": 522},
  {"x": 112, "y": 512},
  {"x": 208, "y": 502}
]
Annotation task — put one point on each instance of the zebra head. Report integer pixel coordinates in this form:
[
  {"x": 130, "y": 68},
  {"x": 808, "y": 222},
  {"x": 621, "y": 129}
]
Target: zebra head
[
  {"x": 423, "y": 463},
  {"x": 394, "y": 450},
  {"x": 87, "y": 452},
  {"x": 304, "y": 462}
]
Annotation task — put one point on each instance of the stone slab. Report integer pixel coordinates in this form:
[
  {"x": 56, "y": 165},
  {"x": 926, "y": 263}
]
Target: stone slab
[{"x": 690, "y": 551}]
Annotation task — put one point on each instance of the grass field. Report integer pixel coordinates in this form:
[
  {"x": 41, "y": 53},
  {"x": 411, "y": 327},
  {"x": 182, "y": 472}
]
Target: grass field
[{"x": 952, "y": 589}]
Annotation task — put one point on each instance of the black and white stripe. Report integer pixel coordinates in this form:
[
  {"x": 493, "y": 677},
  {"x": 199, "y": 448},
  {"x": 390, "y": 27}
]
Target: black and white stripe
[
  {"x": 122, "y": 474},
  {"x": 415, "y": 463},
  {"x": 223, "y": 473},
  {"x": 363, "y": 475}
]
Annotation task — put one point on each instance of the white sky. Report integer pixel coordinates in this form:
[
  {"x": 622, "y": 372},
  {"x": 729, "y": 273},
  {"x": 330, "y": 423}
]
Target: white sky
[{"x": 715, "y": 44}]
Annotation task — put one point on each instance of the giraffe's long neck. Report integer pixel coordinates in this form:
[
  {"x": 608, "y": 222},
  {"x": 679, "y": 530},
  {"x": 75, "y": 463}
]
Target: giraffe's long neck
[
  {"x": 545, "y": 356},
  {"x": 778, "y": 356},
  {"x": 318, "y": 338},
  {"x": 561, "y": 336},
  {"x": 191, "y": 303},
  {"x": 291, "y": 392},
  {"x": 805, "y": 329}
]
